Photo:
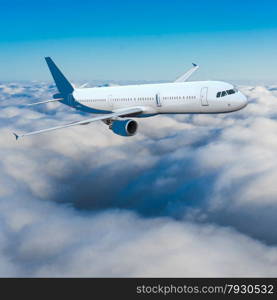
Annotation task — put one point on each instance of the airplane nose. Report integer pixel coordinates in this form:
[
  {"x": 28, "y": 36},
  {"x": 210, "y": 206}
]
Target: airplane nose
[{"x": 243, "y": 100}]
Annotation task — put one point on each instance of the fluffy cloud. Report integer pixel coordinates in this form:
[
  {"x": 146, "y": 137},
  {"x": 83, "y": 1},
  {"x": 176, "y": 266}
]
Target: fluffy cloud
[{"x": 190, "y": 195}]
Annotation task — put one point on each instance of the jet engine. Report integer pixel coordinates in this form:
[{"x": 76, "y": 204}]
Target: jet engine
[{"x": 125, "y": 127}]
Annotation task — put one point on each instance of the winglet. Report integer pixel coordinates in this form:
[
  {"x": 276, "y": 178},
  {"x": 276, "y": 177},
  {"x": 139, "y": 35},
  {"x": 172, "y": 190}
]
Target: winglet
[
  {"x": 16, "y": 136},
  {"x": 187, "y": 75}
]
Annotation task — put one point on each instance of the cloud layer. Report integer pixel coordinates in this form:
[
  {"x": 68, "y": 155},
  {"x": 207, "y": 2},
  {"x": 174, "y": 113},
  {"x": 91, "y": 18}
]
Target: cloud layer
[{"x": 190, "y": 195}]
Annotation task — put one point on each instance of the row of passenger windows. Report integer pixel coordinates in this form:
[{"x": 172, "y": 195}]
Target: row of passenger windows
[
  {"x": 179, "y": 97},
  {"x": 141, "y": 99},
  {"x": 119, "y": 99},
  {"x": 93, "y": 100},
  {"x": 225, "y": 93},
  {"x": 133, "y": 99}
]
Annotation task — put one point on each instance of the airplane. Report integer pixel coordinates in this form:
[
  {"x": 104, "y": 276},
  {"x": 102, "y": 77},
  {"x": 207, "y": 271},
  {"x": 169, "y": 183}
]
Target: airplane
[{"x": 118, "y": 105}]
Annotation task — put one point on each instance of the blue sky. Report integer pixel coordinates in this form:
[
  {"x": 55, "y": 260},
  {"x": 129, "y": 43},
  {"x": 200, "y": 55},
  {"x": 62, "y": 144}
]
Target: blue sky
[{"x": 139, "y": 40}]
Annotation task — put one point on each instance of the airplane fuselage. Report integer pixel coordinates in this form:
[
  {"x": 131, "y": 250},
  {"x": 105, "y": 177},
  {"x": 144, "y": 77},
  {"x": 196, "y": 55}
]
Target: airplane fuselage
[{"x": 162, "y": 98}]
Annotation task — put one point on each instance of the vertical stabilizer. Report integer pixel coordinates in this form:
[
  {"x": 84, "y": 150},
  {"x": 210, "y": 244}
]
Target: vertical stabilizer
[{"x": 63, "y": 85}]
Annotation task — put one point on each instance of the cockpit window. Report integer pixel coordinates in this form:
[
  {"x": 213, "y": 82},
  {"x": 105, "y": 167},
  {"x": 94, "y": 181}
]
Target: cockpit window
[
  {"x": 231, "y": 92},
  {"x": 225, "y": 93}
]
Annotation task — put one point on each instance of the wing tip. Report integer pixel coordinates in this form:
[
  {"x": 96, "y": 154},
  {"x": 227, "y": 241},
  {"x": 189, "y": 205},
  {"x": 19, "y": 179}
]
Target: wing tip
[{"x": 16, "y": 136}]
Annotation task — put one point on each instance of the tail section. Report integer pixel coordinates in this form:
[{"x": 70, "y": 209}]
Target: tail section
[{"x": 63, "y": 85}]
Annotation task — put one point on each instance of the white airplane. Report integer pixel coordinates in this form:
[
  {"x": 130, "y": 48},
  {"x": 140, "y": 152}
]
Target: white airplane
[{"x": 117, "y": 103}]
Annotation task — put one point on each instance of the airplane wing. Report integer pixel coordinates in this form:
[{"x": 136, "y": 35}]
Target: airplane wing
[
  {"x": 121, "y": 113},
  {"x": 187, "y": 75}
]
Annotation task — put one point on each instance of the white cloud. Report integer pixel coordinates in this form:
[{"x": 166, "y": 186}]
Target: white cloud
[{"x": 181, "y": 198}]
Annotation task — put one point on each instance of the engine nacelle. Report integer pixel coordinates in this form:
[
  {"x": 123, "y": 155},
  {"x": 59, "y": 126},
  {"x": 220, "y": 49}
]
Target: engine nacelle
[{"x": 125, "y": 127}]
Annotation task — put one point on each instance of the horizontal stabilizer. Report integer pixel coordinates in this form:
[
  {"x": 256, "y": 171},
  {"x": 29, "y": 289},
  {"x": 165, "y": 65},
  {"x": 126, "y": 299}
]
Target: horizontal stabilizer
[
  {"x": 83, "y": 85},
  {"x": 187, "y": 75},
  {"x": 43, "y": 102}
]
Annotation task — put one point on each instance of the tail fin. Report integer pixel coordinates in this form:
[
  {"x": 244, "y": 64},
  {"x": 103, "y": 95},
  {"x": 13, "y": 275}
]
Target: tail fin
[{"x": 63, "y": 85}]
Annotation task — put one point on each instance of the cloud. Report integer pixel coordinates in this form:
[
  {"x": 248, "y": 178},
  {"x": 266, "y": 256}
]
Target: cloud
[
  {"x": 189, "y": 195},
  {"x": 42, "y": 239}
]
